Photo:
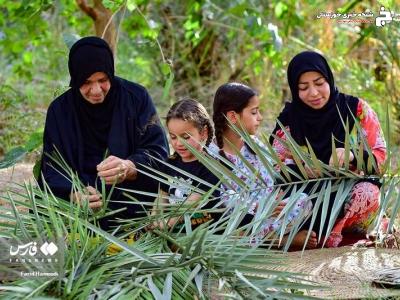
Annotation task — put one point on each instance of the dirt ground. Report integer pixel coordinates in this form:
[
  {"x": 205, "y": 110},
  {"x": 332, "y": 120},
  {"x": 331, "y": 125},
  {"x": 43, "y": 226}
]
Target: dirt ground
[
  {"x": 11, "y": 179},
  {"x": 348, "y": 273},
  {"x": 16, "y": 174}
]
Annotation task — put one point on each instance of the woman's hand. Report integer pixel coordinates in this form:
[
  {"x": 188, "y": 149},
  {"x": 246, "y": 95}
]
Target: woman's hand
[
  {"x": 90, "y": 195},
  {"x": 116, "y": 170},
  {"x": 341, "y": 154},
  {"x": 312, "y": 172}
]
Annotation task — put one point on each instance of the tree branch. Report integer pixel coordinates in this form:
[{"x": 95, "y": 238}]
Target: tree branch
[
  {"x": 98, "y": 5},
  {"x": 90, "y": 11},
  {"x": 103, "y": 20}
]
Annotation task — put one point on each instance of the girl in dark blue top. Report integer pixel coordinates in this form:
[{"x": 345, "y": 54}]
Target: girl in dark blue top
[{"x": 187, "y": 120}]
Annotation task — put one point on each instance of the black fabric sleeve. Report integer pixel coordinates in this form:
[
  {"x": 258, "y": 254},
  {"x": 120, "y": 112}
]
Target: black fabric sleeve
[
  {"x": 165, "y": 170},
  {"x": 271, "y": 136},
  {"x": 151, "y": 139},
  {"x": 207, "y": 176},
  {"x": 212, "y": 203},
  {"x": 365, "y": 159},
  {"x": 54, "y": 176}
]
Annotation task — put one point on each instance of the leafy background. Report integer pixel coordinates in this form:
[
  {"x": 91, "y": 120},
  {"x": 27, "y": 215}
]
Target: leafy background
[
  {"x": 177, "y": 49},
  {"x": 197, "y": 45}
]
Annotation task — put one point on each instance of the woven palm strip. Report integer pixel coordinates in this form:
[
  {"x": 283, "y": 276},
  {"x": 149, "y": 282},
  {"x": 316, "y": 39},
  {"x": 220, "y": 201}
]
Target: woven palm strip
[{"x": 347, "y": 272}]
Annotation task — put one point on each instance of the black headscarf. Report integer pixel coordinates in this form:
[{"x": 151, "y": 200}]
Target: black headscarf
[
  {"x": 317, "y": 125},
  {"x": 88, "y": 56}
]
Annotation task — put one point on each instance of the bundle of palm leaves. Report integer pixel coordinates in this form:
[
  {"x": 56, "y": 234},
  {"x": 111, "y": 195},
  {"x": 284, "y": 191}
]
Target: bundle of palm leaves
[
  {"x": 388, "y": 277},
  {"x": 218, "y": 258}
]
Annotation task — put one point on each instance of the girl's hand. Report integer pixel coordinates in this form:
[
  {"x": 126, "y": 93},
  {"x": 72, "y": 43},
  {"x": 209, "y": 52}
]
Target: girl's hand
[
  {"x": 341, "y": 153},
  {"x": 281, "y": 205},
  {"x": 278, "y": 209},
  {"x": 161, "y": 224},
  {"x": 155, "y": 225},
  {"x": 90, "y": 195},
  {"x": 116, "y": 170},
  {"x": 173, "y": 221}
]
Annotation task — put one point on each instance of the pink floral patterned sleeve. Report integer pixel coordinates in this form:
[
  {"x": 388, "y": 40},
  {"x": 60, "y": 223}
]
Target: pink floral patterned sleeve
[
  {"x": 283, "y": 152},
  {"x": 372, "y": 131}
]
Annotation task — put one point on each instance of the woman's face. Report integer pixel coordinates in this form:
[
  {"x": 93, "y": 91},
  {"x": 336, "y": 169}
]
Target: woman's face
[
  {"x": 95, "y": 88},
  {"x": 185, "y": 130},
  {"x": 314, "y": 90}
]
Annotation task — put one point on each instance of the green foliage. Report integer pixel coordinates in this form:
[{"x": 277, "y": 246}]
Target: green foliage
[
  {"x": 204, "y": 44},
  {"x": 20, "y": 124}
]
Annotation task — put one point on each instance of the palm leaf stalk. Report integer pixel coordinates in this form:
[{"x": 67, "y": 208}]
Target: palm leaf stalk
[
  {"x": 146, "y": 269},
  {"x": 214, "y": 258}
]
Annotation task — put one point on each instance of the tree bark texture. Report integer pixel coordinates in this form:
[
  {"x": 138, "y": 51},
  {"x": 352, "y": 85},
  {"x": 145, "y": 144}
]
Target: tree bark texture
[{"x": 103, "y": 23}]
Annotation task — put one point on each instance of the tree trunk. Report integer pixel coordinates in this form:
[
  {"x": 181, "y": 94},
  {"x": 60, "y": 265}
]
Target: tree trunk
[{"x": 103, "y": 23}]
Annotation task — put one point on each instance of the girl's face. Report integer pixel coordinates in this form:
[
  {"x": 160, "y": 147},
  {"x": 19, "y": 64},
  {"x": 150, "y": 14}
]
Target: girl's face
[
  {"x": 250, "y": 116},
  {"x": 314, "y": 90},
  {"x": 188, "y": 132}
]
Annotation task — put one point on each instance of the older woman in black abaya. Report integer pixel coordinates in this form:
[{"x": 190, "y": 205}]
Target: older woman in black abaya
[
  {"x": 104, "y": 127},
  {"x": 315, "y": 114}
]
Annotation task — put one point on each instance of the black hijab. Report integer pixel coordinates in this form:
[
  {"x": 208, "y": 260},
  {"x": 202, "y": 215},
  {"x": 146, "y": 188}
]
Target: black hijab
[
  {"x": 86, "y": 57},
  {"x": 317, "y": 125}
]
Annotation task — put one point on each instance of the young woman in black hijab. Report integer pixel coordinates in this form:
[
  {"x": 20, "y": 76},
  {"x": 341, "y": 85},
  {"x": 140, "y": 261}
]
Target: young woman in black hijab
[
  {"x": 317, "y": 113},
  {"x": 104, "y": 127}
]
